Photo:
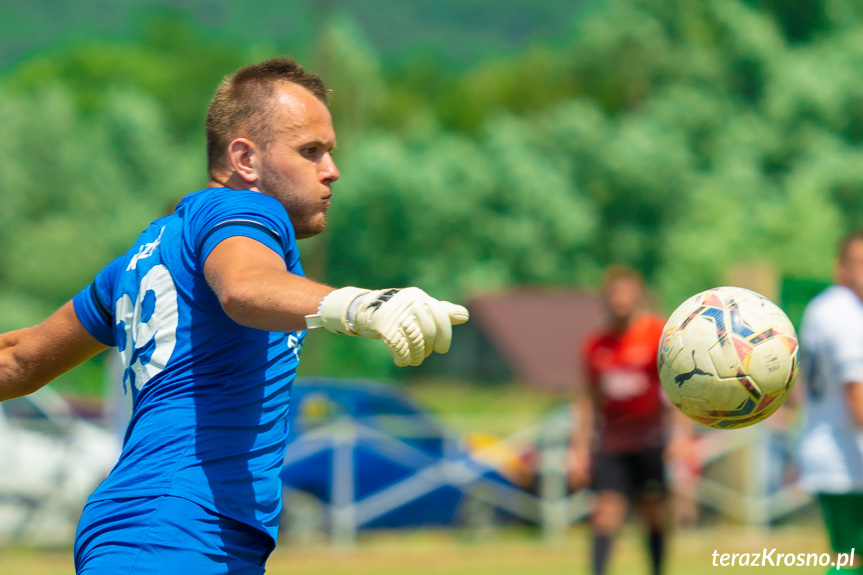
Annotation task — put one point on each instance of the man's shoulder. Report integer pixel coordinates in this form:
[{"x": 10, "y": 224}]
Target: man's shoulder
[
  {"x": 835, "y": 301},
  {"x": 645, "y": 327},
  {"x": 206, "y": 210},
  {"x": 837, "y": 310},
  {"x": 598, "y": 337},
  {"x": 649, "y": 321},
  {"x": 219, "y": 197}
]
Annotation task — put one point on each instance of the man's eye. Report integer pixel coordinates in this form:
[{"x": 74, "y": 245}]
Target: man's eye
[{"x": 310, "y": 151}]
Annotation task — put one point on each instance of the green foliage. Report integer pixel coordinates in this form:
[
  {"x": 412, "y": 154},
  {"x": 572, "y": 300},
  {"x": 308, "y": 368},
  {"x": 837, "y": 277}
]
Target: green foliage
[
  {"x": 680, "y": 138},
  {"x": 677, "y": 137},
  {"x": 77, "y": 190},
  {"x": 457, "y": 215},
  {"x": 170, "y": 60}
]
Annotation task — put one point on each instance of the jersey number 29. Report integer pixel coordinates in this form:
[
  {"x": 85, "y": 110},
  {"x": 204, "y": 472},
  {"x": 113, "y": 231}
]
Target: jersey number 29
[{"x": 150, "y": 326}]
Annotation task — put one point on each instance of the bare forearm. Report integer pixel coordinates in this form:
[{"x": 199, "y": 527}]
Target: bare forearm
[
  {"x": 582, "y": 427},
  {"x": 854, "y": 401},
  {"x": 272, "y": 300},
  {"x": 256, "y": 289},
  {"x": 682, "y": 428},
  {"x": 32, "y": 357},
  {"x": 11, "y": 370}
]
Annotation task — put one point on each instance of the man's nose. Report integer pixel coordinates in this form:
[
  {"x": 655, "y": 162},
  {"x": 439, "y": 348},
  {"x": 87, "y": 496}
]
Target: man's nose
[{"x": 330, "y": 173}]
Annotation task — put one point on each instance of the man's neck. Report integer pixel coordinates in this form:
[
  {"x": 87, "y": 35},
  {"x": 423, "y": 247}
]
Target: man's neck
[
  {"x": 233, "y": 182},
  {"x": 858, "y": 293},
  {"x": 620, "y": 325}
]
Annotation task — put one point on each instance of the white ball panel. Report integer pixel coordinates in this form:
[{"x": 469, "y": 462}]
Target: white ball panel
[
  {"x": 770, "y": 365},
  {"x": 700, "y": 371}
]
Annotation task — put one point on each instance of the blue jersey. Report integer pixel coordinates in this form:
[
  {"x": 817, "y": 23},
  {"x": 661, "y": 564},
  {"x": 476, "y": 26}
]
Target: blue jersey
[{"x": 210, "y": 397}]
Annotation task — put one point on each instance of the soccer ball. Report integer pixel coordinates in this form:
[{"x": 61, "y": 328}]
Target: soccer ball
[{"x": 728, "y": 357}]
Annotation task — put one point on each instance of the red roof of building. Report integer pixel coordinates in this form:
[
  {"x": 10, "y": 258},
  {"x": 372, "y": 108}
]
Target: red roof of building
[{"x": 538, "y": 332}]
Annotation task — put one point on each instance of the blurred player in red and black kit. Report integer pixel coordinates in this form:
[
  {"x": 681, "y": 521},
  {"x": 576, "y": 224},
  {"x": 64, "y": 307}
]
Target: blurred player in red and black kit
[{"x": 620, "y": 431}]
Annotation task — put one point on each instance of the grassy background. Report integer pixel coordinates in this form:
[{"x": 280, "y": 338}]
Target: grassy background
[
  {"x": 511, "y": 551},
  {"x": 500, "y": 409},
  {"x": 464, "y": 407}
]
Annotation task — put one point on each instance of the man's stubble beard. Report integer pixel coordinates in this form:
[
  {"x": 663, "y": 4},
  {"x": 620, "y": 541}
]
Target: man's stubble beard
[
  {"x": 303, "y": 216},
  {"x": 307, "y": 231}
]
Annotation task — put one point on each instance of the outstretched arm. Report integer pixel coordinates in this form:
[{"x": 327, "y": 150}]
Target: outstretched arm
[
  {"x": 854, "y": 400},
  {"x": 31, "y": 357},
  {"x": 256, "y": 290},
  {"x": 581, "y": 433}
]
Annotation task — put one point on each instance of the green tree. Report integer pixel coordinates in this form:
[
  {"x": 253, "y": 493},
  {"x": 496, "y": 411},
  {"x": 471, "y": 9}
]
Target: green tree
[{"x": 77, "y": 190}]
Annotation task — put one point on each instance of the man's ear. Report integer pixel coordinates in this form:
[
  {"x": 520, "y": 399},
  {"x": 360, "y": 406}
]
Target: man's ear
[{"x": 243, "y": 157}]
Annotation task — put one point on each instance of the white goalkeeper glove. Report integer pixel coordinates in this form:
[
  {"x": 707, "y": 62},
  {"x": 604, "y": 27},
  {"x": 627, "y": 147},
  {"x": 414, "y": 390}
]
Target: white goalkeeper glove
[{"x": 410, "y": 322}]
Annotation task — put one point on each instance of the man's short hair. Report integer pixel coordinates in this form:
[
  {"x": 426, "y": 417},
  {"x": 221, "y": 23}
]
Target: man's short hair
[
  {"x": 850, "y": 238},
  {"x": 243, "y": 102},
  {"x": 617, "y": 272}
]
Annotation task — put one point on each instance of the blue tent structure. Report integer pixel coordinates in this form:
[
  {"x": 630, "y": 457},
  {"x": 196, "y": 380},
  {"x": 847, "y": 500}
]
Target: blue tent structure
[{"x": 374, "y": 459}]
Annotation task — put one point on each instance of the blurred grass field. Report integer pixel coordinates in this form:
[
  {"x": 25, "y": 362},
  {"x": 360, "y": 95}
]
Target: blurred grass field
[
  {"x": 464, "y": 407},
  {"x": 499, "y": 409},
  {"x": 508, "y": 551}
]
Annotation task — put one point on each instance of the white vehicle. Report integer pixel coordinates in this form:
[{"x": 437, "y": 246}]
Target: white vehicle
[{"x": 50, "y": 462}]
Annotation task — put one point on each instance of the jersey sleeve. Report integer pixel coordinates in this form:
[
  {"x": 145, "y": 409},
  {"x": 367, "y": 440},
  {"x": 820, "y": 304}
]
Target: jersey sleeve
[
  {"x": 93, "y": 304},
  {"x": 835, "y": 328},
  {"x": 848, "y": 349},
  {"x": 248, "y": 214}
]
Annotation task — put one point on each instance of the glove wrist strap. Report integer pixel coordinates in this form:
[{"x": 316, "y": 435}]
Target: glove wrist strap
[{"x": 338, "y": 308}]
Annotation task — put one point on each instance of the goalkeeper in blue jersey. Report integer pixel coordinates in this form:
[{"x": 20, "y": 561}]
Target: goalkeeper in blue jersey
[{"x": 208, "y": 310}]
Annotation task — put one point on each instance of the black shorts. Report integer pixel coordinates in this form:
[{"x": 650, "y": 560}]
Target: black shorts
[{"x": 640, "y": 474}]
